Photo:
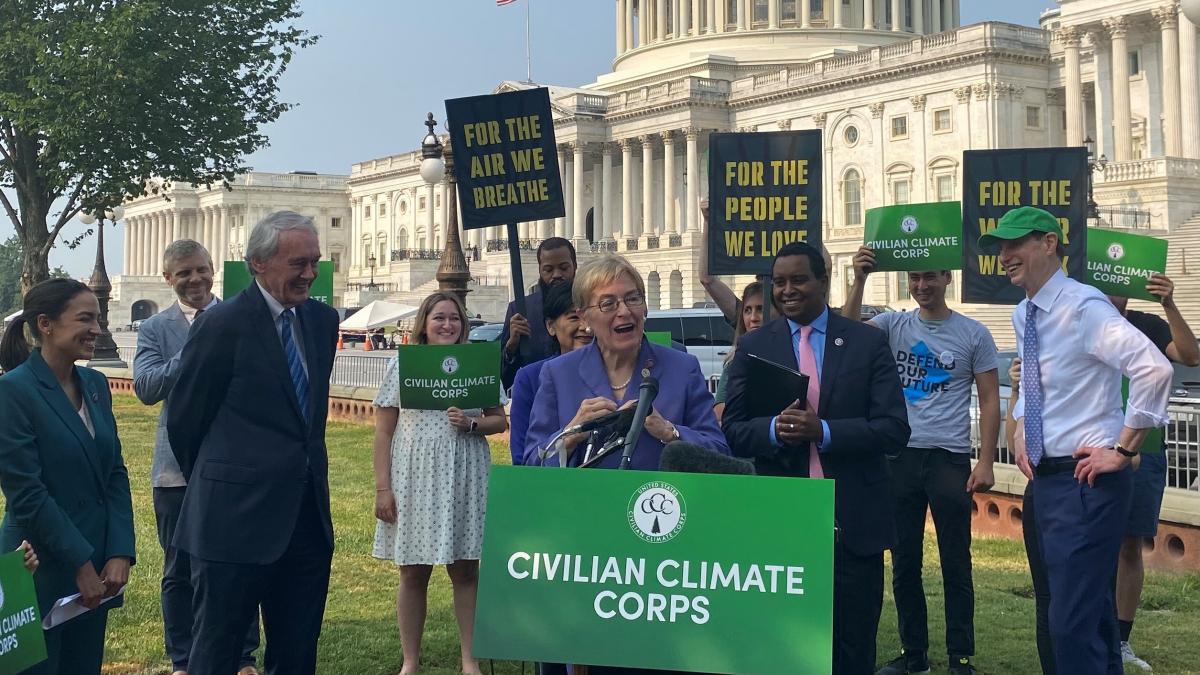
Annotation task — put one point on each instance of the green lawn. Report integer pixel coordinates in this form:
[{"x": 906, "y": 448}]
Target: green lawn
[{"x": 360, "y": 633}]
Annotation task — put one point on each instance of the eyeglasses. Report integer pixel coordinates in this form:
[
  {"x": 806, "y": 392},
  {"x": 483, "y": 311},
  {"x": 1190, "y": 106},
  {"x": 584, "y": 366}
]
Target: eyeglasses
[{"x": 609, "y": 304}]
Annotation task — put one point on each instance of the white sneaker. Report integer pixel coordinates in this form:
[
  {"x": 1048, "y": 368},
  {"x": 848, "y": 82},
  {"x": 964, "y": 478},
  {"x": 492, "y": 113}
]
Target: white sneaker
[{"x": 1131, "y": 659}]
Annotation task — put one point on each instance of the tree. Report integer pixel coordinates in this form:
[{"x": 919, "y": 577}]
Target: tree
[
  {"x": 99, "y": 96},
  {"x": 10, "y": 276}
]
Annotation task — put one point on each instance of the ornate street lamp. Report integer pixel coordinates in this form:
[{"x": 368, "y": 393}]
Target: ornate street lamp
[
  {"x": 1094, "y": 164},
  {"x": 437, "y": 163},
  {"x": 371, "y": 261},
  {"x": 106, "y": 355}
]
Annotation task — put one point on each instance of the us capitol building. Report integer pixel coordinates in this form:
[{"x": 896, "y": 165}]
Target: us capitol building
[{"x": 898, "y": 88}]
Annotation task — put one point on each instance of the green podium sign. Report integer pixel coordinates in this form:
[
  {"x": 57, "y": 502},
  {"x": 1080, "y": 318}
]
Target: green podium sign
[
  {"x": 436, "y": 377},
  {"x": 719, "y": 574},
  {"x": 21, "y": 641},
  {"x": 237, "y": 279}
]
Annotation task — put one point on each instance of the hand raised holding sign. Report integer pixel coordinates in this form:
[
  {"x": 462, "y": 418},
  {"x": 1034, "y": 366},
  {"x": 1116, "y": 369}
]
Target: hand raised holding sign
[
  {"x": 864, "y": 262},
  {"x": 518, "y": 327}
]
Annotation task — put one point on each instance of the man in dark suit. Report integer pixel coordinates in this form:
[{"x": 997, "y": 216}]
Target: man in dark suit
[
  {"x": 524, "y": 338},
  {"x": 247, "y": 425},
  {"x": 853, "y": 417},
  {"x": 188, "y": 270}
]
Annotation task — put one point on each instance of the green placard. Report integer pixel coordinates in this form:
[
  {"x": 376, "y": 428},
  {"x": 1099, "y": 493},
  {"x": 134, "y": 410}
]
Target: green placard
[
  {"x": 436, "y": 377},
  {"x": 1119, "y": 263},
  {"x": 661, "y": 338},
  {"x": 237, "y": 279},
  {"x": 21, "y": 640},
  {"x": 719, "y": 574},
  {"x": 915, "y": 237}
]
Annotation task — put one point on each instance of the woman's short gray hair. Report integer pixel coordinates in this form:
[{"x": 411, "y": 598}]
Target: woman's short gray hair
[
  {"x": 600, "y": 272},
  {"x": 264, "y": 238},
  {"x": 183, "y": 248}
]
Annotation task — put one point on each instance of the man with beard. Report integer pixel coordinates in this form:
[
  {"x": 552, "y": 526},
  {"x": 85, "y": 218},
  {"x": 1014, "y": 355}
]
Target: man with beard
[
  {"x": 524, "y": 338},
  {"x": 940, "y": 354},
  {"x": 853, "y": 416},
  {"x": 188, "y": 270}
]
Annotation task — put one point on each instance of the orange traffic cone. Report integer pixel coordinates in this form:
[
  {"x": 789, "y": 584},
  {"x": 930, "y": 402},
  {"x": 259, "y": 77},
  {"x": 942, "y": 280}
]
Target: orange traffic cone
[
  {"x": 367, "y": 344},
  {"x": 340, "y": 346}
]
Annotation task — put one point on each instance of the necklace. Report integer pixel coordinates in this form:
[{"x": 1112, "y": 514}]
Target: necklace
[{"x": 619, "y": 387}]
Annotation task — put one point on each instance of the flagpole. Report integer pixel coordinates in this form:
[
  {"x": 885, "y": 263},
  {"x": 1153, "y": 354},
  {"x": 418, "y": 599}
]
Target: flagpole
[{"x": 528, "y": 51}]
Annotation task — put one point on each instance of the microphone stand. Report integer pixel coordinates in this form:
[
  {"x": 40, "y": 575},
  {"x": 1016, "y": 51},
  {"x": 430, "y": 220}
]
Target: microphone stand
[{"x": 647, "y": 391}]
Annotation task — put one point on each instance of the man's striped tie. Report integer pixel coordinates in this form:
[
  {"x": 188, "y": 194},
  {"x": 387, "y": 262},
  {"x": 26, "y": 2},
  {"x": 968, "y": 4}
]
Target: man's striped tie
[{"x": 295, "y": 366}]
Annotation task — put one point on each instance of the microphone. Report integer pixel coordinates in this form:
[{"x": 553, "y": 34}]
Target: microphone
[
  {"x": 646, "y": 393},
  {"x": 684, "y": 457},
  {"x": 622, "y": 418}
]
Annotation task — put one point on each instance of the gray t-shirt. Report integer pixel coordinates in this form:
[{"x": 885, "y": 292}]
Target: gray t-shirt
[{"x": 937, "y": 362}]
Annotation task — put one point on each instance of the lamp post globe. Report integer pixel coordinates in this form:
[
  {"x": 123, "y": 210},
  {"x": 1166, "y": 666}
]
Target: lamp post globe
[
  {"x": 86, "y": 218},
  {"x": 1191, "y": 9},
  {"x": 437, "y": 164}
]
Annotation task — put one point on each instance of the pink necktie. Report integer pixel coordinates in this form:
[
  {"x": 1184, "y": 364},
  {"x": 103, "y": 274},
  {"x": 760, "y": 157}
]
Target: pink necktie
[{"x": 808, "y": 366}]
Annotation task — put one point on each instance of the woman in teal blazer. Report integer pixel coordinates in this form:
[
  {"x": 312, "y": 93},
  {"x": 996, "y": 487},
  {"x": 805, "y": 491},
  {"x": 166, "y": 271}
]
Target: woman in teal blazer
[{"x": 65, "y": 486}]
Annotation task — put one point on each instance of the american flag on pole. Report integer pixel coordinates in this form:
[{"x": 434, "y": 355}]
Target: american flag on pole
[{"x": 501, "y": 3}]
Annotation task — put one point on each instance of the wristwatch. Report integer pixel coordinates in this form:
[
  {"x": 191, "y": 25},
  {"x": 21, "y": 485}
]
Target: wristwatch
[
  {"x": 674, "y": 433},
  {"x": 1121, "y": 449},
  {"x": 474, "y": 425}
]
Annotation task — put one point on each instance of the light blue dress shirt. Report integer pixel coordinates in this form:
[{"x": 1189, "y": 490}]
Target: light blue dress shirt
[{"x": 816, "y": 339}]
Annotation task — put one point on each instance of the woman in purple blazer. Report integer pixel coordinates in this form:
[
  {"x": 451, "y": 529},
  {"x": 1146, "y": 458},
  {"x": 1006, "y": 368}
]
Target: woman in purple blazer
[{"x": 604, "y": 376}]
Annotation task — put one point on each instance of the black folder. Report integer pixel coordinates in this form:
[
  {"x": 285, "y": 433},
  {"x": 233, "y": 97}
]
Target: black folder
[{"x": 771, "y": 387}]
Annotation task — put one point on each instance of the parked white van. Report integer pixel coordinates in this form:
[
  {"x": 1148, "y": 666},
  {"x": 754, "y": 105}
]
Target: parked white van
[{"x": 704, "y": 332}]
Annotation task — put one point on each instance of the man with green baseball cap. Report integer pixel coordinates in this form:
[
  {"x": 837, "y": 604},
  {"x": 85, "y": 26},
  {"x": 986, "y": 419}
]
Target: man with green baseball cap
[
  {"x": 1021, "y": 221},
  {"x": 1071, "y": 439}
]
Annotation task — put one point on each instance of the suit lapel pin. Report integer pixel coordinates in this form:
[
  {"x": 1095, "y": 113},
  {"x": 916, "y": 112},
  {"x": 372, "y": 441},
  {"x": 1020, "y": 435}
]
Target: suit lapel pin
[
  {"x": 646, "y": 371},
  {"x": 838, "y": 342}
]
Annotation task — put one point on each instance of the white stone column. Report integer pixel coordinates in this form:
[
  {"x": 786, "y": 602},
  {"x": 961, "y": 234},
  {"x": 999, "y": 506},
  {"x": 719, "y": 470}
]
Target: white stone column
[
  {"x": 693, "y": 183},
  {"x": 132, "y": 264},
  {"x": 897, "y": 19},
  {"x": 682, "y": 17},
  {"x": 621, "y": 8},
  {"x": 710, "y": 16},
  {"x": 743, "y": 23},
  {"x": 156, "y": 245},
  {"x": 697, "y": 17},
  {"x": 1118, "y": 28},
  {"x": 599, "y": 206},
  {"x": 127, "y": 249},
  {"x": 563, "y": 226},
  {"x": 626, "y": 187},
  {"x": 643, "y": 22},
  {"x": 669, "y": 224},
  {"x": 1069, "y": 37},
  {"x": 176, "y": 227},
  {"x": 579, "y": 213},
  {"x": 647, "y": 184},
  {"x": 660, "y": 21},
  {"x": 838, "y": 21},
  {"x": 869, "y": 14},
  {"x": 223, "y": 235},
  {"x": 773, "y": 13},
  {"x": 604, "y": 214},
  {"x": 1190, "y": 83},
  {"x": 918, "y": 7},
  {"x": 1167, "y": 17},
  {"x": 805, "y": 13},
  {"x": 716, "y": 19},
  {"x": 935, "y": 18}
]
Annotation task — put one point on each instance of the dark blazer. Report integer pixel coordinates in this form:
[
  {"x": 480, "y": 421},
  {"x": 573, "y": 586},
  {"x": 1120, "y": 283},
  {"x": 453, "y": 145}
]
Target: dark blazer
[
  {"x": 683, "y": 399},
  {"x": 236, "y": 429},
  {"x": 536, "y": 347},
  {"x": 66, "y": 492},
  {"x": 863, "y": 404}
]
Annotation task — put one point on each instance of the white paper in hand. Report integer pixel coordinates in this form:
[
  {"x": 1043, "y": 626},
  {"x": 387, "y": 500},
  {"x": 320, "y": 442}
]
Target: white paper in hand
[{"x": 65, "y": 609}]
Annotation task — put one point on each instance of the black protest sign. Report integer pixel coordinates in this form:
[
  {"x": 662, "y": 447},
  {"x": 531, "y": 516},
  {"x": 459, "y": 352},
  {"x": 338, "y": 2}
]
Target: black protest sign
[
  {"x": 764, "y": 191},
  {"x": 997, "y": 181},
  {"x": 505, "y": 158}
]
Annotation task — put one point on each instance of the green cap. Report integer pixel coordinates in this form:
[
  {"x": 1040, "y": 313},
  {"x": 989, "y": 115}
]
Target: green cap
[{"x": 1019, "y": 222}]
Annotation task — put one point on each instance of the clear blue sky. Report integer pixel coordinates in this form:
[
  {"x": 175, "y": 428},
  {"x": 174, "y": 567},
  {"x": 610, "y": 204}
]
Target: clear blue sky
[{"x": 363, "y": 91}]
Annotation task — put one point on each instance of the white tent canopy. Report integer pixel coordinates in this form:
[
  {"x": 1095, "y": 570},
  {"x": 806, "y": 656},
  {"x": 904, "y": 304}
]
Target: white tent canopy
[{"x": 377, "y": 315}]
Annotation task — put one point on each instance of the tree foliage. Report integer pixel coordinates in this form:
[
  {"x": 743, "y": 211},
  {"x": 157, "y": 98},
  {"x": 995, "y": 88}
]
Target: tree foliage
[
  {"x": 98, "y": 96},
  {"x": 10, "y": 276}
]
